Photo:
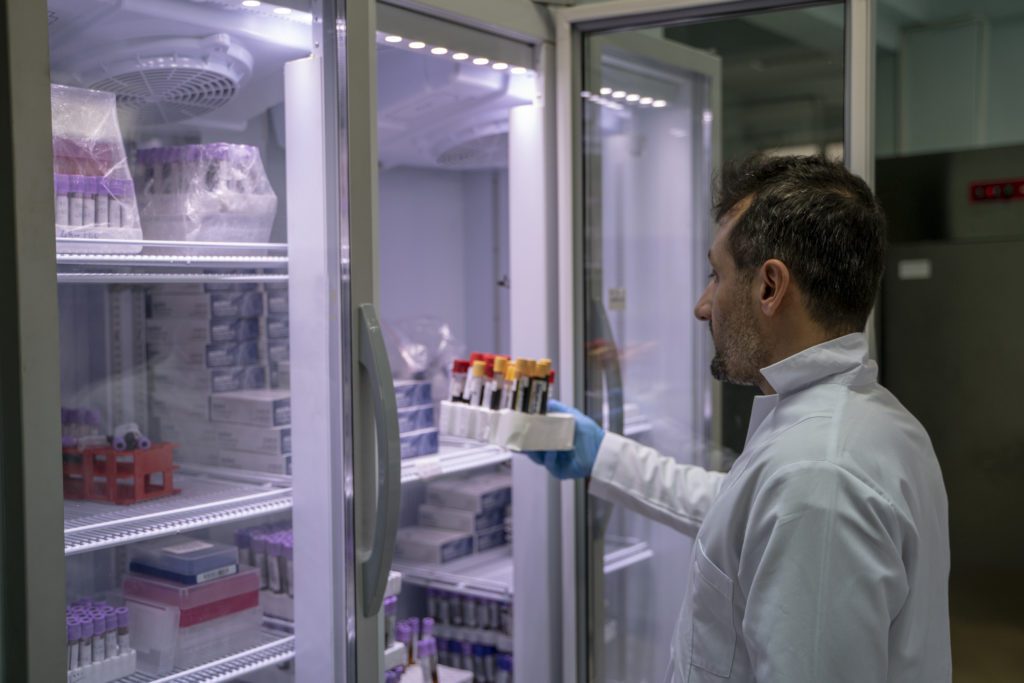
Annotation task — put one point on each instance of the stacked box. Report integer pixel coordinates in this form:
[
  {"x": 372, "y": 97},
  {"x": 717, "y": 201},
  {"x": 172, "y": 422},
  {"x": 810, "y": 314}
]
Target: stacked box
[
  {"x": 461, "y": 515},
  {"x": 212, "y": 352},
  {"x": 416, "y": 423}
]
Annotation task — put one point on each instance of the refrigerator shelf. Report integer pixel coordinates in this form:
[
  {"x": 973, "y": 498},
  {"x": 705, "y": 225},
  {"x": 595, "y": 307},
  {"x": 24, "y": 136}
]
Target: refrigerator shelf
[
  {"x": 183, "y": 260},
  {"x": 455, "y": 455},
  {"x": 270, "y": 649},
  {"x": 203, "y": 502},
  {"x": 156, "y": 278},
  {"x": 489, "y": 574}
]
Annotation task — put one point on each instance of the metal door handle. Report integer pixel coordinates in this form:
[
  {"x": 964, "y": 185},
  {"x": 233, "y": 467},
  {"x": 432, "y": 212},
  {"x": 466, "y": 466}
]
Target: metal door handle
[
  {"x": 609, "y": 366},
  {"x": 374, "y": 359}
]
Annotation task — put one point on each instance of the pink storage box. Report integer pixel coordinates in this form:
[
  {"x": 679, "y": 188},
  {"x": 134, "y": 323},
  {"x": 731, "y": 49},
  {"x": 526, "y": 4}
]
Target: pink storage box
[{"x": 202, "y": 602}]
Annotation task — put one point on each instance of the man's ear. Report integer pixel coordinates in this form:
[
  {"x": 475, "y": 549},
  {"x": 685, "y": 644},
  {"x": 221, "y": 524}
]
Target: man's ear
[{"x": 775, "y": 282}]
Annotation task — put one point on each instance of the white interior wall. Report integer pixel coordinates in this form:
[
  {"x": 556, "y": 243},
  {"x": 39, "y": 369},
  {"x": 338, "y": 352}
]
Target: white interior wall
[{"x": 443, "y": 245}]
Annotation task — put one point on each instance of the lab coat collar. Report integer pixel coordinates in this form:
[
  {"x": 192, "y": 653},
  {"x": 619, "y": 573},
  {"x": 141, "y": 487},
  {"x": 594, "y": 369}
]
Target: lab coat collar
[{"x": 843, "y": 360}]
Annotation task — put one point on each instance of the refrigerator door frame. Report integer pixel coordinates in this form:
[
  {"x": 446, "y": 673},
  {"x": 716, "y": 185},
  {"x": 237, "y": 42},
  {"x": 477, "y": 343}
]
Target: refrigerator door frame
[
  {"x": 570, "y": 24},
  {"x": 537, "y": 562},
  {"x": 32, "y": 629}
]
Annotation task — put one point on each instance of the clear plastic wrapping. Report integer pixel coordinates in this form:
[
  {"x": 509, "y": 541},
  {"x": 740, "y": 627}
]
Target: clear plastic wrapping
[
  {"x": 94, "y": 196},
  {"x": 215, "y": 192}
]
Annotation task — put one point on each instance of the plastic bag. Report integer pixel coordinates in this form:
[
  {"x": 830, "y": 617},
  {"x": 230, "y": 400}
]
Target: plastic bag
[
  {"x": 216, "y": 192},
  {"x": 422, "y": 348},
  {"x": 94, "y": 196}
]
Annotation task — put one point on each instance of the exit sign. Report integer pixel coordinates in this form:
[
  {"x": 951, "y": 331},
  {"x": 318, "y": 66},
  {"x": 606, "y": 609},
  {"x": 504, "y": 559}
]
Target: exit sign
[{"x": 997, "y": 190}]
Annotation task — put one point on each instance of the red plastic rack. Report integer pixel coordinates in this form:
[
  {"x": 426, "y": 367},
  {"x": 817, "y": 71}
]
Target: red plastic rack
[{"x": 119, "y": 477}]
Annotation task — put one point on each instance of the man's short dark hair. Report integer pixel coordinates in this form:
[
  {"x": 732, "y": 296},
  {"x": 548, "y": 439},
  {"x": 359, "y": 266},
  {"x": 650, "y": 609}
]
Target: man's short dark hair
[{"x": 819, "y": 219}]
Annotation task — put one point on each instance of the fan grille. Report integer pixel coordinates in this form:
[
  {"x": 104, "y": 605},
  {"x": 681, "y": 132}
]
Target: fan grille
[
  {"x": 486, "y": 151},
  {"x": 167, "y": 94}
]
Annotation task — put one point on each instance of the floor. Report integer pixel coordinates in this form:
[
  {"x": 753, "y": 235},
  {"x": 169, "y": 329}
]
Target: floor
[{"x": 987, "y": 627}]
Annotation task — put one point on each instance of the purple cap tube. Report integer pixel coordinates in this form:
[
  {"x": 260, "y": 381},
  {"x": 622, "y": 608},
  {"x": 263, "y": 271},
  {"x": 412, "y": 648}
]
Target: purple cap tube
[
  {"x": 61, "y": 183},
  {"x": 87, "y": 629},
  {"x": 427, "y": 629},
  {"x": 289, "y": 549},
  {"x": 76, "y": 183},
  {"x": 74, "y": 629}
]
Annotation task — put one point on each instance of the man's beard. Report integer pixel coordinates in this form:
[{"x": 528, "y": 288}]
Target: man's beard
[{"x": 738, "y": 353}]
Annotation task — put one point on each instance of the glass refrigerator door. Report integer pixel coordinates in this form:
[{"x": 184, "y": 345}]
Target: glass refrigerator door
[
  {"x": 201, "y": 227},
  {"x": 649, "y": 126},
  {"x": 644, "y": 130}
]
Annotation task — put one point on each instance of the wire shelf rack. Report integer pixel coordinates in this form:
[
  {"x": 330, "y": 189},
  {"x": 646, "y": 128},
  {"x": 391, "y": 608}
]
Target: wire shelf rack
[
  {"x": 268, "y": 650},
  {"x": 203, "y": 502},
  {"x": 455, "y": 455}
]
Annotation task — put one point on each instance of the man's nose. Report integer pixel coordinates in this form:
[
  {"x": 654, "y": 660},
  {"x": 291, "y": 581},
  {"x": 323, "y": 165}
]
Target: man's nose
[{"x": 703, "y": 308}]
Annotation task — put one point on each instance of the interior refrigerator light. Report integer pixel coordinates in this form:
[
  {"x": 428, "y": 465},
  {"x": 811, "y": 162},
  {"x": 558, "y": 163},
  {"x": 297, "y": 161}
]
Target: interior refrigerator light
[
  {"x": 658, "y": 104},
  {"x": 606, "y": 91},
  {"x": 586, "y": 94},
  {"x": 518, "y": 70},
  {"x": 417, "y": 45},
  {"x": 619, "y": 94},
  {"x": 460, "y": 56},
  {"x": 392, "y": 39},
  {"x": 499, "y": 66},
  {"x": 646, "y": 100},
  {"x": 438, "y": 50},
  {"x": 282, "y": 10},
  {"x": 251, "y": 3},
  {"x": 632, "y": 97},
  {"x": 481, "y": 61}
]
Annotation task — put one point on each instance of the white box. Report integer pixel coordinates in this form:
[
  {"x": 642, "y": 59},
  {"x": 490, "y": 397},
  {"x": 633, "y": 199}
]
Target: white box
[
  {"x": 167, "y": 380},
  {"x": 443, "y": 517},
  {"x": 169, "y": 332},
  {"x": 433, "y": 546},
  {"x": 475, "y": 494},
  {"x": 197, "y": 356},
  {"x": 258, "y": 407},
  {"x": 490, "y": 538},
  {"x": 257, "y": 462},
  {"x": 220, "y": 304},
  {"x": 264, "y": 440}
]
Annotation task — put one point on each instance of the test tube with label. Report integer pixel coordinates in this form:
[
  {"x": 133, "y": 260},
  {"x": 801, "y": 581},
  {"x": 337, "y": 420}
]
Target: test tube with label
[
  {"x": 547, "y": 393},
  {"x": 110, "y": 631},
  {"x": 99, "y": 636},
  {"x": 60, "y": 198},
  {"x": 504, "y": 674},
  {"x": 495, "y": 382},
  {"x": 244, "y": 543},
  {"x": 274, "y": 564},
  {"x": 457, "y": 383},
  {"x": 474, "y": 391},
  {"x": 508, "y": 388},
  {"x": 102, "y": 203},
  {"x": 539, "y": 386},
  {"x": 390, "y": 620},
  {"x": 124, "y": 641},
  {"x": 89, "y": 200},
  {"x": 118, "y": 190},
  {"x": 76, "y": 194},
  {"x": 74, "y": 629},
  {"x": 85, "y": 649},
  {"x": 289, "y": 564},
  {"x": 522, "y": 400},
  {"x": 259, "y": 556}
]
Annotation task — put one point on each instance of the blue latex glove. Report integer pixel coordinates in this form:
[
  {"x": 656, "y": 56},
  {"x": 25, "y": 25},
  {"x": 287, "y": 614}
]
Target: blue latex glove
[{"x": 579, "y": 462}]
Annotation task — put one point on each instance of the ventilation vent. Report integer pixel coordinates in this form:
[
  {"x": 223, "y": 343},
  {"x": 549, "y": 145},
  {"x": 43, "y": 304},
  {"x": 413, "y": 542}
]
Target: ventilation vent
[
  {"x": 488, "y": 151},
  {"x": 171, "y": 80}
]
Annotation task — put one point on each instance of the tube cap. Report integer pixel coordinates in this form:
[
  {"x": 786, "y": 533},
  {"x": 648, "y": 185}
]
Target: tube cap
[
  {"x": 74, "y": 629},
  {"x": 543, "y": 367},
  {"x": 479, "y": 368},
  {"x": 122, "y": 617},
  {"x": 500, "y": 363},
  {"x": 460, "y": 365}
]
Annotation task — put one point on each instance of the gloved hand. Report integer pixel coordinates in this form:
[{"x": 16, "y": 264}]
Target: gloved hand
[{"x": 579, "y": 462}]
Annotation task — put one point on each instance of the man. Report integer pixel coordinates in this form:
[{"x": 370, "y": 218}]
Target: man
[{"x": 823, "y": 555}]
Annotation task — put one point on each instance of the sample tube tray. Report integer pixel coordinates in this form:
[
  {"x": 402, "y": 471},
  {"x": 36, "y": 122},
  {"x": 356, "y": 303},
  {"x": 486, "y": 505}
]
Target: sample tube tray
[
  {"x": 119, "y": 477},
  {"x": 511, "y": 429}
]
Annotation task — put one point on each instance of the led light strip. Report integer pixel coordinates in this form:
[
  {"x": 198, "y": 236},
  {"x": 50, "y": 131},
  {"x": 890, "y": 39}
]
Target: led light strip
[
  {"x": 441, "y": 51},
  {"x": 616, "y": 99}
]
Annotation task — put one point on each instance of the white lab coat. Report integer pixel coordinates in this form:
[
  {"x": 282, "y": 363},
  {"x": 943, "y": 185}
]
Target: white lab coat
[{"x": 823, "y": 555}]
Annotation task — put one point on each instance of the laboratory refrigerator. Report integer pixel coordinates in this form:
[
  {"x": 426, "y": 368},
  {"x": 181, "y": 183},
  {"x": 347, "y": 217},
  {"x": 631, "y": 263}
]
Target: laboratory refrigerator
[{"x": 339, "y": 200}]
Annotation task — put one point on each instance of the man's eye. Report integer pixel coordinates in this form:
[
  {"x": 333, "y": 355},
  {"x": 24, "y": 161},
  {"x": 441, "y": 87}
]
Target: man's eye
[{"x": 712, "y": 275}]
